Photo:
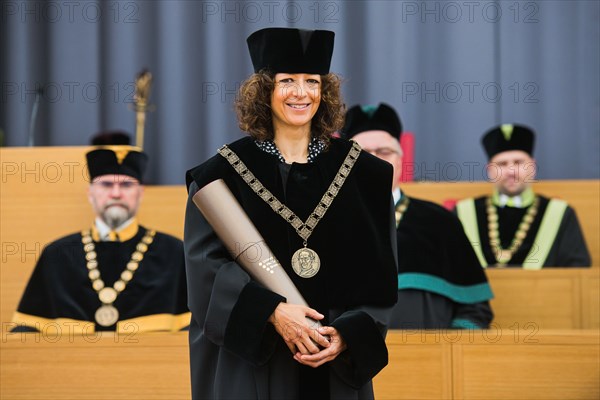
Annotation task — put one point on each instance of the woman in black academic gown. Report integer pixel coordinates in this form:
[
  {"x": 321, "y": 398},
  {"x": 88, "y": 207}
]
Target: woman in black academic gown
[{"x": 245, "y": 340}]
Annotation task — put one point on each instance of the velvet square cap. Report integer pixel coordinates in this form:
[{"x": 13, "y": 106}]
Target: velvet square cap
[
  {"x": 372, "y": 118},
  {"x": 508, "y": 137},
  {"x": 118, "y": 160},
  {"x": 291, "y": 50}
]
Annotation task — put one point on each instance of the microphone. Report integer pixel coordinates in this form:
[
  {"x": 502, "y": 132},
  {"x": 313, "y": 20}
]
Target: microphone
[{"x": 32, "y": 119}]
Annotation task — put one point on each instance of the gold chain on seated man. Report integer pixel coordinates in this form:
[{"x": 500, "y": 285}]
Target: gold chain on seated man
[
  {"x": 107, "y": 314},
  {"x": 503, "y": 256},
  {"x": 305, "y": 261},
  {"x": 401, "y": 209}
]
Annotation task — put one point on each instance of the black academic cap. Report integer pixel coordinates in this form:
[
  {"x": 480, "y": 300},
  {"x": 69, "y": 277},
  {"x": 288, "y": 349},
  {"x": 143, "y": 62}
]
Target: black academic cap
[
  {"x": 111, "y": 138},
  {"x": 120, "y": 160},
  {"x": 291, "y": 50},
  {"x": 508, "y": 137},
  {"x": 372, "y": 118}
]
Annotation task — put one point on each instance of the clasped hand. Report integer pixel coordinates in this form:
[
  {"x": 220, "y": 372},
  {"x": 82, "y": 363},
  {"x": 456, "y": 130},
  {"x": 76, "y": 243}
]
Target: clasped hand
[{"x": 310, "y": 346}]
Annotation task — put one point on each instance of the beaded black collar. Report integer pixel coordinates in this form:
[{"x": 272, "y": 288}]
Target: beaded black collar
[{"x": 315, "y": 147}]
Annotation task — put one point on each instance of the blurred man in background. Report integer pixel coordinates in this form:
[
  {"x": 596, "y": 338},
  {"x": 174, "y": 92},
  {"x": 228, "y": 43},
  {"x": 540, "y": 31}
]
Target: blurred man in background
[
  {"x": 440, "y": 282},
  {"x": 515, "y": 226},
  {"x": 117, "y": 275}
]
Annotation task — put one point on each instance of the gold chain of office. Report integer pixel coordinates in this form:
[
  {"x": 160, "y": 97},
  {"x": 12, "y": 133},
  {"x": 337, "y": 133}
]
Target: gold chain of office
[
  {"x": 304, "y": 229},
  {"x": 401, "y": 209},
  {"x": 107, "y": 314},
  {"x": 503, "y": 256}
]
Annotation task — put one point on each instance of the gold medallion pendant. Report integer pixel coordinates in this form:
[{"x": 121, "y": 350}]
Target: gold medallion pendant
[
  {"x": 106, "y": 315},
  {"x": 306, "y": 262},
  {"x": 503, "y": 256}
]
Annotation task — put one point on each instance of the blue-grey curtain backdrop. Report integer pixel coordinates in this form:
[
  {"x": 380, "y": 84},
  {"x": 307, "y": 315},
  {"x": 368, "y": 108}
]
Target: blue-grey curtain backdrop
[{"x": 453, "y": 69}]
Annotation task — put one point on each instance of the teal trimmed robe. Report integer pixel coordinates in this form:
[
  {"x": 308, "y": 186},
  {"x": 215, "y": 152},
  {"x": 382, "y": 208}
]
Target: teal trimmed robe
[{"x": 440, "y": 282}]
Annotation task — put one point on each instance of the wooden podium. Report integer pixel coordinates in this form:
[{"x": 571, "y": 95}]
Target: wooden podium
[{"x": 488, "y": 364}]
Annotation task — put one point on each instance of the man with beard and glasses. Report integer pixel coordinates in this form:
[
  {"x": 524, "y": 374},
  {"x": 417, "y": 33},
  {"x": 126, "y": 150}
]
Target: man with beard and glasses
[{"x": 115, "y": 276}]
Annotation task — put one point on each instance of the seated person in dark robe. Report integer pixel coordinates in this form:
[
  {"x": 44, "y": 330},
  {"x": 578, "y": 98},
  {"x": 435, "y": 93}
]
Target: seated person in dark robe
[
  {"x": 116, "y": 275},
  {"x": 440, "y": 282},
  {"x": 515, "y": 227}
]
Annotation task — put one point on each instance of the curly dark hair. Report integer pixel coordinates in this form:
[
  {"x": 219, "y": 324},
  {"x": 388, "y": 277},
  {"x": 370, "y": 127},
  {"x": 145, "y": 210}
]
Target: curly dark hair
[{"x": 253, "y": 107}]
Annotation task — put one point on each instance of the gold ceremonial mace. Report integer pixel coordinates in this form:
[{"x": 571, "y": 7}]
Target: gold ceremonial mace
[{"x": 143, "y": 82}]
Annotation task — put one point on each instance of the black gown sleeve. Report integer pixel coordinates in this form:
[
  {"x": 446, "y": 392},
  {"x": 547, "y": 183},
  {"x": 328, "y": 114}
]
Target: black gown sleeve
[
  {"x": 569, "y": 249},
  {"x": 364, "y": 329},
  {"x": 230, "y": 308},
  {"x": 472, "y": 316},
  {"x": 38, "y": 299}
]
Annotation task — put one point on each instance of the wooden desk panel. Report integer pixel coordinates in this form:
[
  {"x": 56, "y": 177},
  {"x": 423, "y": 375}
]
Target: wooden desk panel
[
  {"x": 423, "y": 365},
  {"x": 590, "y": 301},
  {"x": 148, "y": 366},
  {"x": 529, "y": 373},
  {"x": 552, "y": 298},
  {"x": 416, "y": 369},
  {"x": 492, "y": 364},
  {"x": 528, "y": 365}
]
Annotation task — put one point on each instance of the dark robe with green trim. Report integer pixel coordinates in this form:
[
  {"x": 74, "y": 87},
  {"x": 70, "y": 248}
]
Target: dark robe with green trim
[
  {"x": 568, "y": 250},
  {"x": 441, "y": 283},
  {"x": 60, "y": 287},
  {"x": 234, "y": 351}
]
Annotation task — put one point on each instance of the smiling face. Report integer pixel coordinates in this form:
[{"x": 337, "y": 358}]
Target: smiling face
[
  {"x": 115, "y": 198},
  {"x": 512, "y": 171},
  {"x": 295, "y": 100}
]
